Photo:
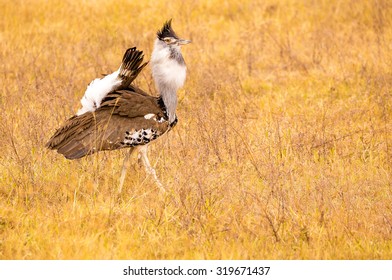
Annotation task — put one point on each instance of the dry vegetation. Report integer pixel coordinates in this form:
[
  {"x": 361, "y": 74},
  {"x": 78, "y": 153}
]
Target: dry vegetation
[{"x": 283, "y": 148}]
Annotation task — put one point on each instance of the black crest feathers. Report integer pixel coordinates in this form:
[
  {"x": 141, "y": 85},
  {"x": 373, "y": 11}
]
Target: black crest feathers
[{"x": 166, "y": 31}]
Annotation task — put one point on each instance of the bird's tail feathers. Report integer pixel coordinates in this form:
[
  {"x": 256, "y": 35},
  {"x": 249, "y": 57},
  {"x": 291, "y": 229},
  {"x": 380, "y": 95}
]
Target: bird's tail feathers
[{"x": 131, "y": 66}]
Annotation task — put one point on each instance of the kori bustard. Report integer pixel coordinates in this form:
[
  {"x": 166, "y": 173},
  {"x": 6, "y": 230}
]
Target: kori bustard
[{"x": 115, "y": 114}]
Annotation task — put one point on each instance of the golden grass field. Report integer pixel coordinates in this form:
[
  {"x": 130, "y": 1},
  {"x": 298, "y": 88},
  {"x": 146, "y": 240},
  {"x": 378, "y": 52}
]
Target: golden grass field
[{"x": 283, "y": 148}]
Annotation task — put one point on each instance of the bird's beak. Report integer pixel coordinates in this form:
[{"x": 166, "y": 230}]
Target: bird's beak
[{"x": 183, "y": 42}]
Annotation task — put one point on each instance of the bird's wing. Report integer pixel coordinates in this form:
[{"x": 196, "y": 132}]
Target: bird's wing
[
  {"x": 98, "y": 89},
  {"x": 125, "y": 119}
]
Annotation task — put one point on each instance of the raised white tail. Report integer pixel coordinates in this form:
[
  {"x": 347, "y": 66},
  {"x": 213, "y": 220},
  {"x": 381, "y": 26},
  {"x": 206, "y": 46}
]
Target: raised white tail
[{"x": 97, "y": 90}]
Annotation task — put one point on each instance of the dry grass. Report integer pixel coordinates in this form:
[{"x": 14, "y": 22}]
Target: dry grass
[{"x": 283, "y": 148}]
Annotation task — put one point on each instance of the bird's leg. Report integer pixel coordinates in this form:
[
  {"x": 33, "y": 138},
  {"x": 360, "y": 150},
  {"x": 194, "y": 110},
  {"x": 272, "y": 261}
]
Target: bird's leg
[
  {"x": 142, "y": 156},
  {"x": 124, "y": 170}
]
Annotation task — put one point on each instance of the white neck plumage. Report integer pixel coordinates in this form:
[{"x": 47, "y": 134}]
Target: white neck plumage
[{"x": 169, "y": 73}]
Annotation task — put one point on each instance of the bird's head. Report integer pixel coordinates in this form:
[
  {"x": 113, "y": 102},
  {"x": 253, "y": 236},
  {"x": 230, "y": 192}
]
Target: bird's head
[{"x": 169, "y": 37}]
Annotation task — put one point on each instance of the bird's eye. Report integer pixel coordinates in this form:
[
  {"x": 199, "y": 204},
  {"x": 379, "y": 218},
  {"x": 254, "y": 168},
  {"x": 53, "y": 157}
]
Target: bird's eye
[{"x": 167, "y": 40}]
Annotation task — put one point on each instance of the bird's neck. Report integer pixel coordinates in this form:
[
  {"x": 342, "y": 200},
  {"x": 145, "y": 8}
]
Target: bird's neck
[
  {"x": 169, "y": 98},
  {"x": 169, "y": 73}
]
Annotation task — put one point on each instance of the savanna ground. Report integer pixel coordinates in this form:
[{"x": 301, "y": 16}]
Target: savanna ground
[{"x": 283, "y": 148}]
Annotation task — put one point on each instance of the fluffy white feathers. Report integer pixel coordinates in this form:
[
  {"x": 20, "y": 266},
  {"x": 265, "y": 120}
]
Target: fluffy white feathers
[
  {"x": 165, "y": 69},
  {"x": 97, "y": 90},
  {"x": 169, "y": 75}
]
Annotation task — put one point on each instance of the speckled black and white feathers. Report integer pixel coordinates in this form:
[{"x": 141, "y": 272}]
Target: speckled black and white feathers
[{"x": 140, "y": 137}]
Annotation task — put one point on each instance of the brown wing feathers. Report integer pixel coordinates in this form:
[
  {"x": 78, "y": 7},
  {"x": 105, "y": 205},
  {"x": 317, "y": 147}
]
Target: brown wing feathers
[
  {"x": 66, "y": 139},
  {"x": 121, "y": 113},
  {"x": 130, "y": 104}
]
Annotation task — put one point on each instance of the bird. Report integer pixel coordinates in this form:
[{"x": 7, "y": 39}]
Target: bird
[{"x": 116, "y": 114}]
